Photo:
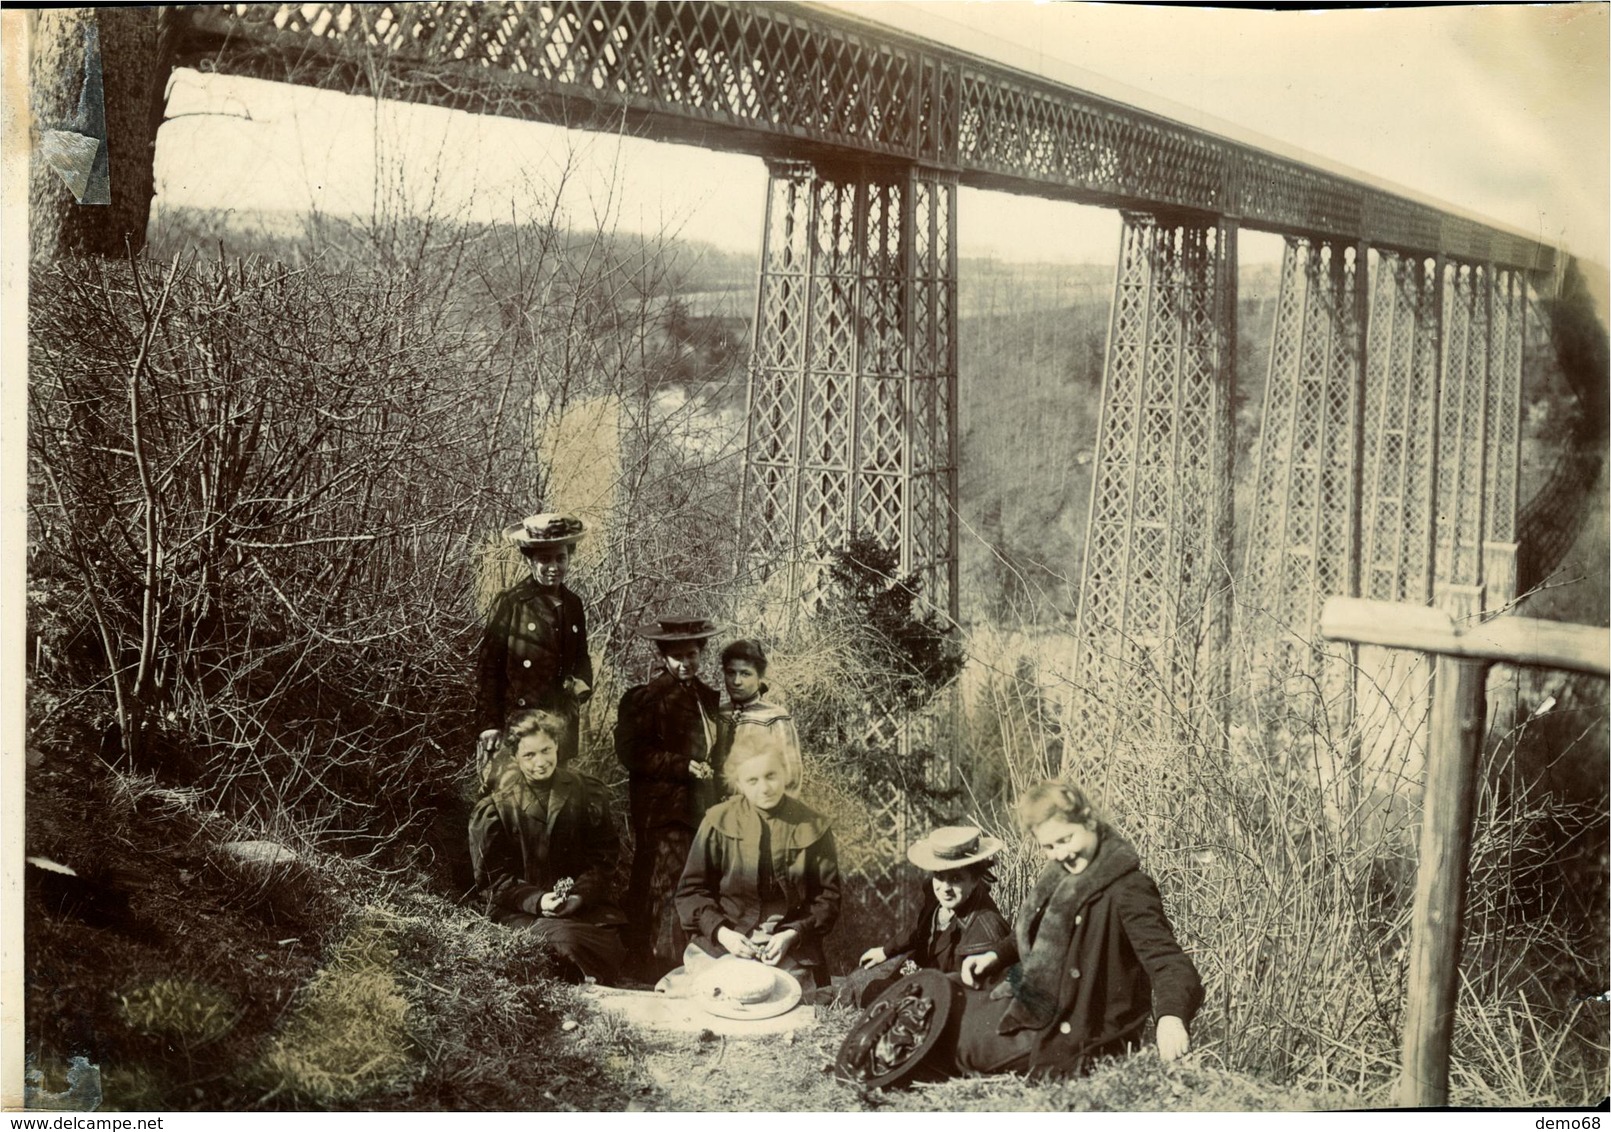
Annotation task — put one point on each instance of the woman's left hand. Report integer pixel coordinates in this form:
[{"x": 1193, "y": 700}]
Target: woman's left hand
[
  {"x": 1173, "y": 1041},
  {"x": 778, "y": 946}
]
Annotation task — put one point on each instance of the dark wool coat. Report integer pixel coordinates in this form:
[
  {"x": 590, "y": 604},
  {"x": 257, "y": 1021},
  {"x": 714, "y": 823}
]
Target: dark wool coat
[
  {"x": 658, "y": 732},
  {"x": 527, "y": 651},
  {"x": 978, "y": 926},
  {"x": 520, "y": 848},
  {"x": 1095, "y": 957},
  {"x": 720, "y": 885}
]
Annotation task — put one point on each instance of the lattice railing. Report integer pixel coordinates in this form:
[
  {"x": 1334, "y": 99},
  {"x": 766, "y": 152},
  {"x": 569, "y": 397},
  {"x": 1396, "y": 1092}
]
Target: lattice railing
[
  {"x": 1143, "y": 636},
  {"x": 780, "y": 80}
]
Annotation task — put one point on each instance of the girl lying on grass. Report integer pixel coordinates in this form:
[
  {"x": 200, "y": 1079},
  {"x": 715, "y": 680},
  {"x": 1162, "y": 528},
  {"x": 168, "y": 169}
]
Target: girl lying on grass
[
  {"x": 762, "y": 879},
  {"x": 957, "y": 919},
  {"x": 1091, "y": 957}
]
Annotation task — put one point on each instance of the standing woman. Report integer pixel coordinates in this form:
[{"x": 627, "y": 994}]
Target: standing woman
[
  {"x": 534, "y": 651},
  {"x": 664, "y": 734}
]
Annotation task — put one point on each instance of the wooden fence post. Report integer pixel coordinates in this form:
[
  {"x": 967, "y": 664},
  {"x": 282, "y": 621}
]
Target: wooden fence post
[{"x": 1458, "y": 711}]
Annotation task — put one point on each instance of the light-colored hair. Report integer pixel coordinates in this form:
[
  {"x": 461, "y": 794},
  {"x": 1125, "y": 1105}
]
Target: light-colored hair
[
  {"x": 1061, "y": 800},
  {"x": 752, "y": 741}
]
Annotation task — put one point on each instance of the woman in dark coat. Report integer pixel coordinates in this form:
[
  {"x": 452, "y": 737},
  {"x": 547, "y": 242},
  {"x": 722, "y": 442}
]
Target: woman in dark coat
[
  {"x": 534, "y": 649},
  {"x": 665, "y": 731},
  {"x": 1091, "y": 959},
  {"x": 762, "y": 880},
  {"x": 544, "y": 849},
  {"x": 957, "y": 917}
]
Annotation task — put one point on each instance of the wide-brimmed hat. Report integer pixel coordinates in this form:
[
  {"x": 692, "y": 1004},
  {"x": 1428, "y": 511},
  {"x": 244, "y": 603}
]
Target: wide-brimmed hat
[
  {"x": 549, "y": 528},
  {"x": 891, "y": 1042},
  {"x": 744, "y": 988},
  {"x": 953, "y": 847},
  {"x": 678, "y": 627}
]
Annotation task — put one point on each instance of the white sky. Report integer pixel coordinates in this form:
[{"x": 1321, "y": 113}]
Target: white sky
[{"x": 1501, "y": 111}]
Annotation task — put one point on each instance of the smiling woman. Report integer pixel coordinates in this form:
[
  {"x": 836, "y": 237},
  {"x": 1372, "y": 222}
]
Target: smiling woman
[{"x": 544, "y": 849}]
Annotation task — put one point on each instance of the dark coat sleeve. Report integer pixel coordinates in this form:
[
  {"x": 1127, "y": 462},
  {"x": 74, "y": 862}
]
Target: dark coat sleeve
[
  {"x": 491, "y": 661},
  {"x": 1176, "y": 987},
  {"x": 698, "y": 896},
  {"x": 917, "y": 933},
  {"x": 985, "y": 933},
  {"x": 598, "y": 845},
  {"x": 495, "y": 855},
  {"x": 584, "y": 661},
  {"x": 822, "y": 880},
  {"x": 638, "y": 744}
]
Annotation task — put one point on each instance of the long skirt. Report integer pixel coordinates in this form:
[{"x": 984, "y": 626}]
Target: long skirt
[
  {"x": 595, "y": 949},
  {"x": 654, "y": 936},
  {"x": 981, "y": 1048}
]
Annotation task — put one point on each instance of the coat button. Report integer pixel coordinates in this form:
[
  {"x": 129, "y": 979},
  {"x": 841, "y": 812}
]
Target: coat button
[
  {"x": 525, "y": 664},
  {"x": 1078, "y": 920},
  {"x": 521, "y": 701},
  {"x": 531, "y": 625},
  {"x": 1065, "y": 1028},
  {"x": 1074, "y": 974}
]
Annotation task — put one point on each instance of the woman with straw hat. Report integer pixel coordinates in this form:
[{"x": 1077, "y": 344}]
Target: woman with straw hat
[
  {"x": 534, "y": 650},
  {"x": 665, "y": 731},
  {"x": 957, "y": 917}
]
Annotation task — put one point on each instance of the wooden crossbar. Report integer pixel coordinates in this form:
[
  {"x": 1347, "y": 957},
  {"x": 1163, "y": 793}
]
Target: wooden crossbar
[{"x": 1448, "y": 797}]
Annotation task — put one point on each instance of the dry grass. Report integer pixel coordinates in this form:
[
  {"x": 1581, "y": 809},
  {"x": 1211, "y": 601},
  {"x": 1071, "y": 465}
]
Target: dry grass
[{"x": 348, "y": 1037}]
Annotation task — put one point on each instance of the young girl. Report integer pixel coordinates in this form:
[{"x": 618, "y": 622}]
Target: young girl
[
  {"x": 958, "y": 918},
  {"x": 744, "y": 672},
  {"x": 1092, "y": 955},
  {"x": 762, "y": 880}
]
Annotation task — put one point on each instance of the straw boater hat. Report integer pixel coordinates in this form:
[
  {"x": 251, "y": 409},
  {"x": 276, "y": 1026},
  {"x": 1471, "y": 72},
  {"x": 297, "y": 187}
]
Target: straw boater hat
[
  {"x": 677, "y": 627},
  {"x": 731, "y": 987},
  {"x": 953, "y": 847},
  {"x": 549, "y": 528}
]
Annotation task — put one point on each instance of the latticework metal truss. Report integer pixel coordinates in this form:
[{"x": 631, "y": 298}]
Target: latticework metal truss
[
  {"x": 852, "y": 417},
  {"x": 1401, "y": 385},
  {"x": 1149, "y": 638},
  {"x": 783, "y": 80},
  {"x": 1508, "y": 334},
  {"x": 1462, "y": 440},
  {"x": 1303, "y": 531}
]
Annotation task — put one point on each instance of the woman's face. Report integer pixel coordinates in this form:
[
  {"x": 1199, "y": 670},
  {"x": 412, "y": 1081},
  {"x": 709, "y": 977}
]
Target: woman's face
[
  {"x": 953, "y": 887},
  {"x": 1070, "y": 844},
  {"x": 549, "y": 564},
  {"x": 743, "y": 681},
  {"x": 682, "y": 658},
  {"x": 762, "y": 780},
  {"x": 537, "y": 756}
]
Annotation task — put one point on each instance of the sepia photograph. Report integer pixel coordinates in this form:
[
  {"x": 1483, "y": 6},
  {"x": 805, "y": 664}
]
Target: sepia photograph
[{"x": 868, "y": 556}]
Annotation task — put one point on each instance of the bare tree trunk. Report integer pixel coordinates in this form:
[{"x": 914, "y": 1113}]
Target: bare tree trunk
[{"x": 135, "y": 58}]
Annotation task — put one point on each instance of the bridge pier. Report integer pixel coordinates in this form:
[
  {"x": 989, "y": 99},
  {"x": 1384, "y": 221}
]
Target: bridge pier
[
  {"x": 852, "y": 387},
  {"x": 1152, "y": 630},
  {"x": 1303, "y": 542}
]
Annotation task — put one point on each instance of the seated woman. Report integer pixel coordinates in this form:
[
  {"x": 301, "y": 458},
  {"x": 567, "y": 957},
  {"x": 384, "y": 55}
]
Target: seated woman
[
  {"x": 958, "y": 918},
  {"x": 762, "y": 879},
  {"x": 1092, "y": 955},
  {"x": 544, "y": 848}
]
